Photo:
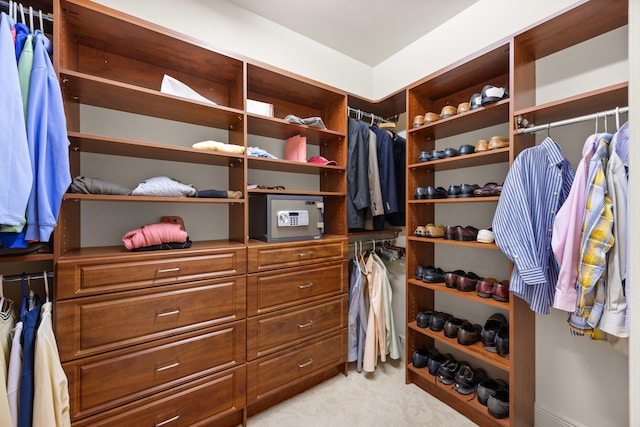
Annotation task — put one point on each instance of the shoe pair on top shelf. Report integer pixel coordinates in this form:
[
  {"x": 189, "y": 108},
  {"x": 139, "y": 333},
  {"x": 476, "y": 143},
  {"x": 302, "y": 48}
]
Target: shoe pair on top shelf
[{"x": 426, "y": 156}]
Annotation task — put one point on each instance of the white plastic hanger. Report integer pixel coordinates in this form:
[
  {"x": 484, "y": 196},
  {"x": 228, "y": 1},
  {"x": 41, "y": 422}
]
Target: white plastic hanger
[
  {"x": 1, "y": 293},
  {"x": 23, "y": 20},
  {"x": 46, "y": 286},
  {"x": 41, "y": 23},
  {"x": 31, "y": 19}
]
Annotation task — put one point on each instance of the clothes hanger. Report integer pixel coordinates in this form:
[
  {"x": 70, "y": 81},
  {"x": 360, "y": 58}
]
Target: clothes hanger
[
  {"x": 617, "y": 119},
  {"x": 46, "y": 285},
  {"x": 31, "y": 19},
  {"x": 41, "y": 22},
  {"x": 1, "y": 293}
]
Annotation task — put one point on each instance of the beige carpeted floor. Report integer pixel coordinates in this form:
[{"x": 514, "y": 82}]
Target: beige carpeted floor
[{"x": 378, "y": 399}]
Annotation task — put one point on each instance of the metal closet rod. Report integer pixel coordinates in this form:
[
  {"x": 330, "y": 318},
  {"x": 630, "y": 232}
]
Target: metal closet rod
[
  {"x": 45, "y": 16},
  {"x": 31, "y": 276},
  {"x": 370, "y": 115},
  {"x": 585, "y": 118}
]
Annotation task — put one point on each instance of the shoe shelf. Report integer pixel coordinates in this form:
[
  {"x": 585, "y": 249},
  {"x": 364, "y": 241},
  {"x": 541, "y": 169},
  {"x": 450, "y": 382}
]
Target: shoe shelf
[
  {"x": 475, "y": 350},
  {"x": 82, "y": 142},
  {"x": 293, "y": 167},
  {"x": 470, "y": 244},
  {"x": 472, "y": 296},
  {"x": 466, "y": 404},
  {"x": 455, "y": 200},
  {"x": 302, "y": 192},
  {"x": 499, "y": 155}
]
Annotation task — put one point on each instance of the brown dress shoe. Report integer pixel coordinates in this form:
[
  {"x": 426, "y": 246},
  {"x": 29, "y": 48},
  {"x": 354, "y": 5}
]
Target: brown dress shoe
[
  {"x": 463, "y": 107},
  {"x": 498, "y": 142},
  {"x": 418, "y": 121},
  {"x": 431, "y": 117},
  {"x": 448, "y": 111},
  {"x": 501, "y": 291},
  {"x": 482, "y": 145}
]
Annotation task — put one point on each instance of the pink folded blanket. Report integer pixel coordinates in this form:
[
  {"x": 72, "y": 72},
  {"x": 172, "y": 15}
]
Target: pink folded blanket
[{"x": 154, "y": 234}]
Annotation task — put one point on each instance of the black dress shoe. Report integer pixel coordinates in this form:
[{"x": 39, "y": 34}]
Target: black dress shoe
[
  {"x": 469, "y": 334},
  {"x": 433, "y": 275},
  {"x": 467, "y": 378},
  {"x": 436, "y": 193},
  {"x": 436, "y": 361},
  {"x": 498, "y": 404},
  {"x": 466, "y": 190},
  {"x": 488, "y": 387},
  {"x": 438, "y": 320},
  {"x": 466, "y": 149},
  {"x": 421, "y": 357},
  {"x": 453, "y": 191},
  {"x": 502, "y": 341},
  {"x": 448, "y": 370},
  {"x": 424, "y": 156},
  {"x": 491, "y": 328},
  {"x": 452, "y": 326},
  {"x": 420, "y": 193},
  {"x": 437, "y": 154},
  {"x": 423, "y": 320},
  {"x": 451, "y": 152}
]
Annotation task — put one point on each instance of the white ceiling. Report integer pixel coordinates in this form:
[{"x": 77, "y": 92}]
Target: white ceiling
[{"x": 369, "y": 31}]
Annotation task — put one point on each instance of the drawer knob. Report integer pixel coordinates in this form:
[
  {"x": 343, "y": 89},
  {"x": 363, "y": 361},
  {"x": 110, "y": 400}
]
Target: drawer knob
[
  {"x": 168, "y": 313},
  {"x": 306, "y": 286},
  {"x": 168, "y": 270},
  {"x": 307, "y": 363},
  {"x": 165, "y": 422},
  {"x": 305, "y": 325},
  {"x": 170, "y": 366}
]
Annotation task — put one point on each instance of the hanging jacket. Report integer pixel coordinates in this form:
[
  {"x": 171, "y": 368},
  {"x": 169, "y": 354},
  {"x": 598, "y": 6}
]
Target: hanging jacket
[
  {"x": 16, "y": 175},
  {"x": 48, "y": 143},
  {"x": 358, "y": 197}
]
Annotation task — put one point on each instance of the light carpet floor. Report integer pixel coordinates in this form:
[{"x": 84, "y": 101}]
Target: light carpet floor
[{"x": 378, "y": 399}]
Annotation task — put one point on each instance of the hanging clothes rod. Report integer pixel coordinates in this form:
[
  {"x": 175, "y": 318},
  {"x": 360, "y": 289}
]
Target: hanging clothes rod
[
  {"x": 584, "y": 118},
  {"x": 45, "y": 16},
  {"x": 359, "y": 114},
  {"x": 30, "y": 276}
]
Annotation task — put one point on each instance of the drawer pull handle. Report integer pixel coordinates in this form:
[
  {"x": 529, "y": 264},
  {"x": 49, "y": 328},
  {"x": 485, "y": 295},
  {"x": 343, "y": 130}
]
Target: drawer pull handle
[
  {"x": 305, "y": 325},
  {"x": 310, "y": 253},
  {"x": 168, "y": 313},
  {"x": 307, "y": 363},
  {"x": 168, "y": 270},
  {"x": 164, "y": 368},
  {"x": 165, "y": 422},
  {"x": 308, "y": 285}
]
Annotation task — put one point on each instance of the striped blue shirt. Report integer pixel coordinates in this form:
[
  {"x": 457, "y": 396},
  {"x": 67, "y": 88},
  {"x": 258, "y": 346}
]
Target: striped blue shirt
[{"x": 536, "y": 186}]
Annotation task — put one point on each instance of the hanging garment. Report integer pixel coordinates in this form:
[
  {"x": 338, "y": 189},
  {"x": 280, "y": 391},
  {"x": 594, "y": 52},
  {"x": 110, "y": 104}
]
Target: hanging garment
[
  {"x": 384, "y": 145},
  {"x": 400, "y": 165},
  {"x": 375, "y": 340},
  {"x": 567, "y": 230},
  {"x": 358, "y": 198},
  {"x": 25, "y": 398},
  {"x": 535, "y": 188},
  {"x": 16, "y": 175},
  {"x": 357, "y": 316},
  {"x": 392, "y": 348},
  {"x": 596, "y": 240},
  {"x": 48, "y": 142},
  {"x": 51, "y": 396},
  {"x": 375, "y": 219},
  {"x": 15, "y": 368},
  {"x": 7, "y": 323}
]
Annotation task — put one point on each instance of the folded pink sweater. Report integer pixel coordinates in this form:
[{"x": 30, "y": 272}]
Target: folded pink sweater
[{"x": 154, "y": 234}]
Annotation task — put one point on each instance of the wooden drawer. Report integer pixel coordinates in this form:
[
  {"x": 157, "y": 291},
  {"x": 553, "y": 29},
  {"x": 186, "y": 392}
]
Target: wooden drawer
[
  {"x": 101, "y": 382},
  {"x": 215, "y": 400},
  {"x": 273, "y": 332},
  {"x": 269, "y": 375},
  {"x": 271, "y": 291},
  {"x": 263, "y": 257},
  {"x": 90, "y": 325},
  {"x": 92, "y": 276}
]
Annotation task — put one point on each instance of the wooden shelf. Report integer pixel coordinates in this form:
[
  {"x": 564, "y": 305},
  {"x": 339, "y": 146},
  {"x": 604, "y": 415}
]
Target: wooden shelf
[
  {"x": 441, "y": 241},
  {"x": 281, "y": 129},
  {"x": 500, "y": 155},
  {"x": 602, "y": 99},
  {"x": 475, "y": 350},
  {"x": 146, "y": 199},
  {"x": 479, "y": 118},
  {"x": 299, "y": 192},
  {"x": 129, "y": 148},
  {"x": 105, "y": 93},
  {"x": 471, "y": 296},
  {"x": 455, "y": 200},
  {"x": 25, "y": 258},
  {"x": 280, "y": 165},
  {"x": 466, "y": 404}
]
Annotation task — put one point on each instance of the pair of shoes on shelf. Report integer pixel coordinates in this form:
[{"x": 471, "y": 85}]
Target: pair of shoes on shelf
[
  {"x": 458, "y": 279},
  {"x": 434, "y": 320},
  {"x": 493, "y": 143},
  {"x": 495, "y": 335},
  {"x": 467, "y": 379},
  {"x": 420, "y": 357},
  {"x": 460, "y": 233},
  {"x": 488, "y": 387},
  {"x": 429, "y": 274},
  {"x": 491, "y": 288},
  {"x": 469, "y": 334},
  {"x": 489, "y": 189},
  {"x": 463, "y": 190}
]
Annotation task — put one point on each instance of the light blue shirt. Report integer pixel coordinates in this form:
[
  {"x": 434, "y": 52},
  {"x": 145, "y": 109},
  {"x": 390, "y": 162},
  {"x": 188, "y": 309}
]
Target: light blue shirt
[
  {"x": 536, "y": 186},
  {"x": 48, "y": 144},
  {"x": 15, "y": 166}
]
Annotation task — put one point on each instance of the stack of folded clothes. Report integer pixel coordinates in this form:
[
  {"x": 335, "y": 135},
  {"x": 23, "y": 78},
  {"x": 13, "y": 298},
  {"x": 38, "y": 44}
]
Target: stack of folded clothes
[{"x": 169, "y": 233}]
